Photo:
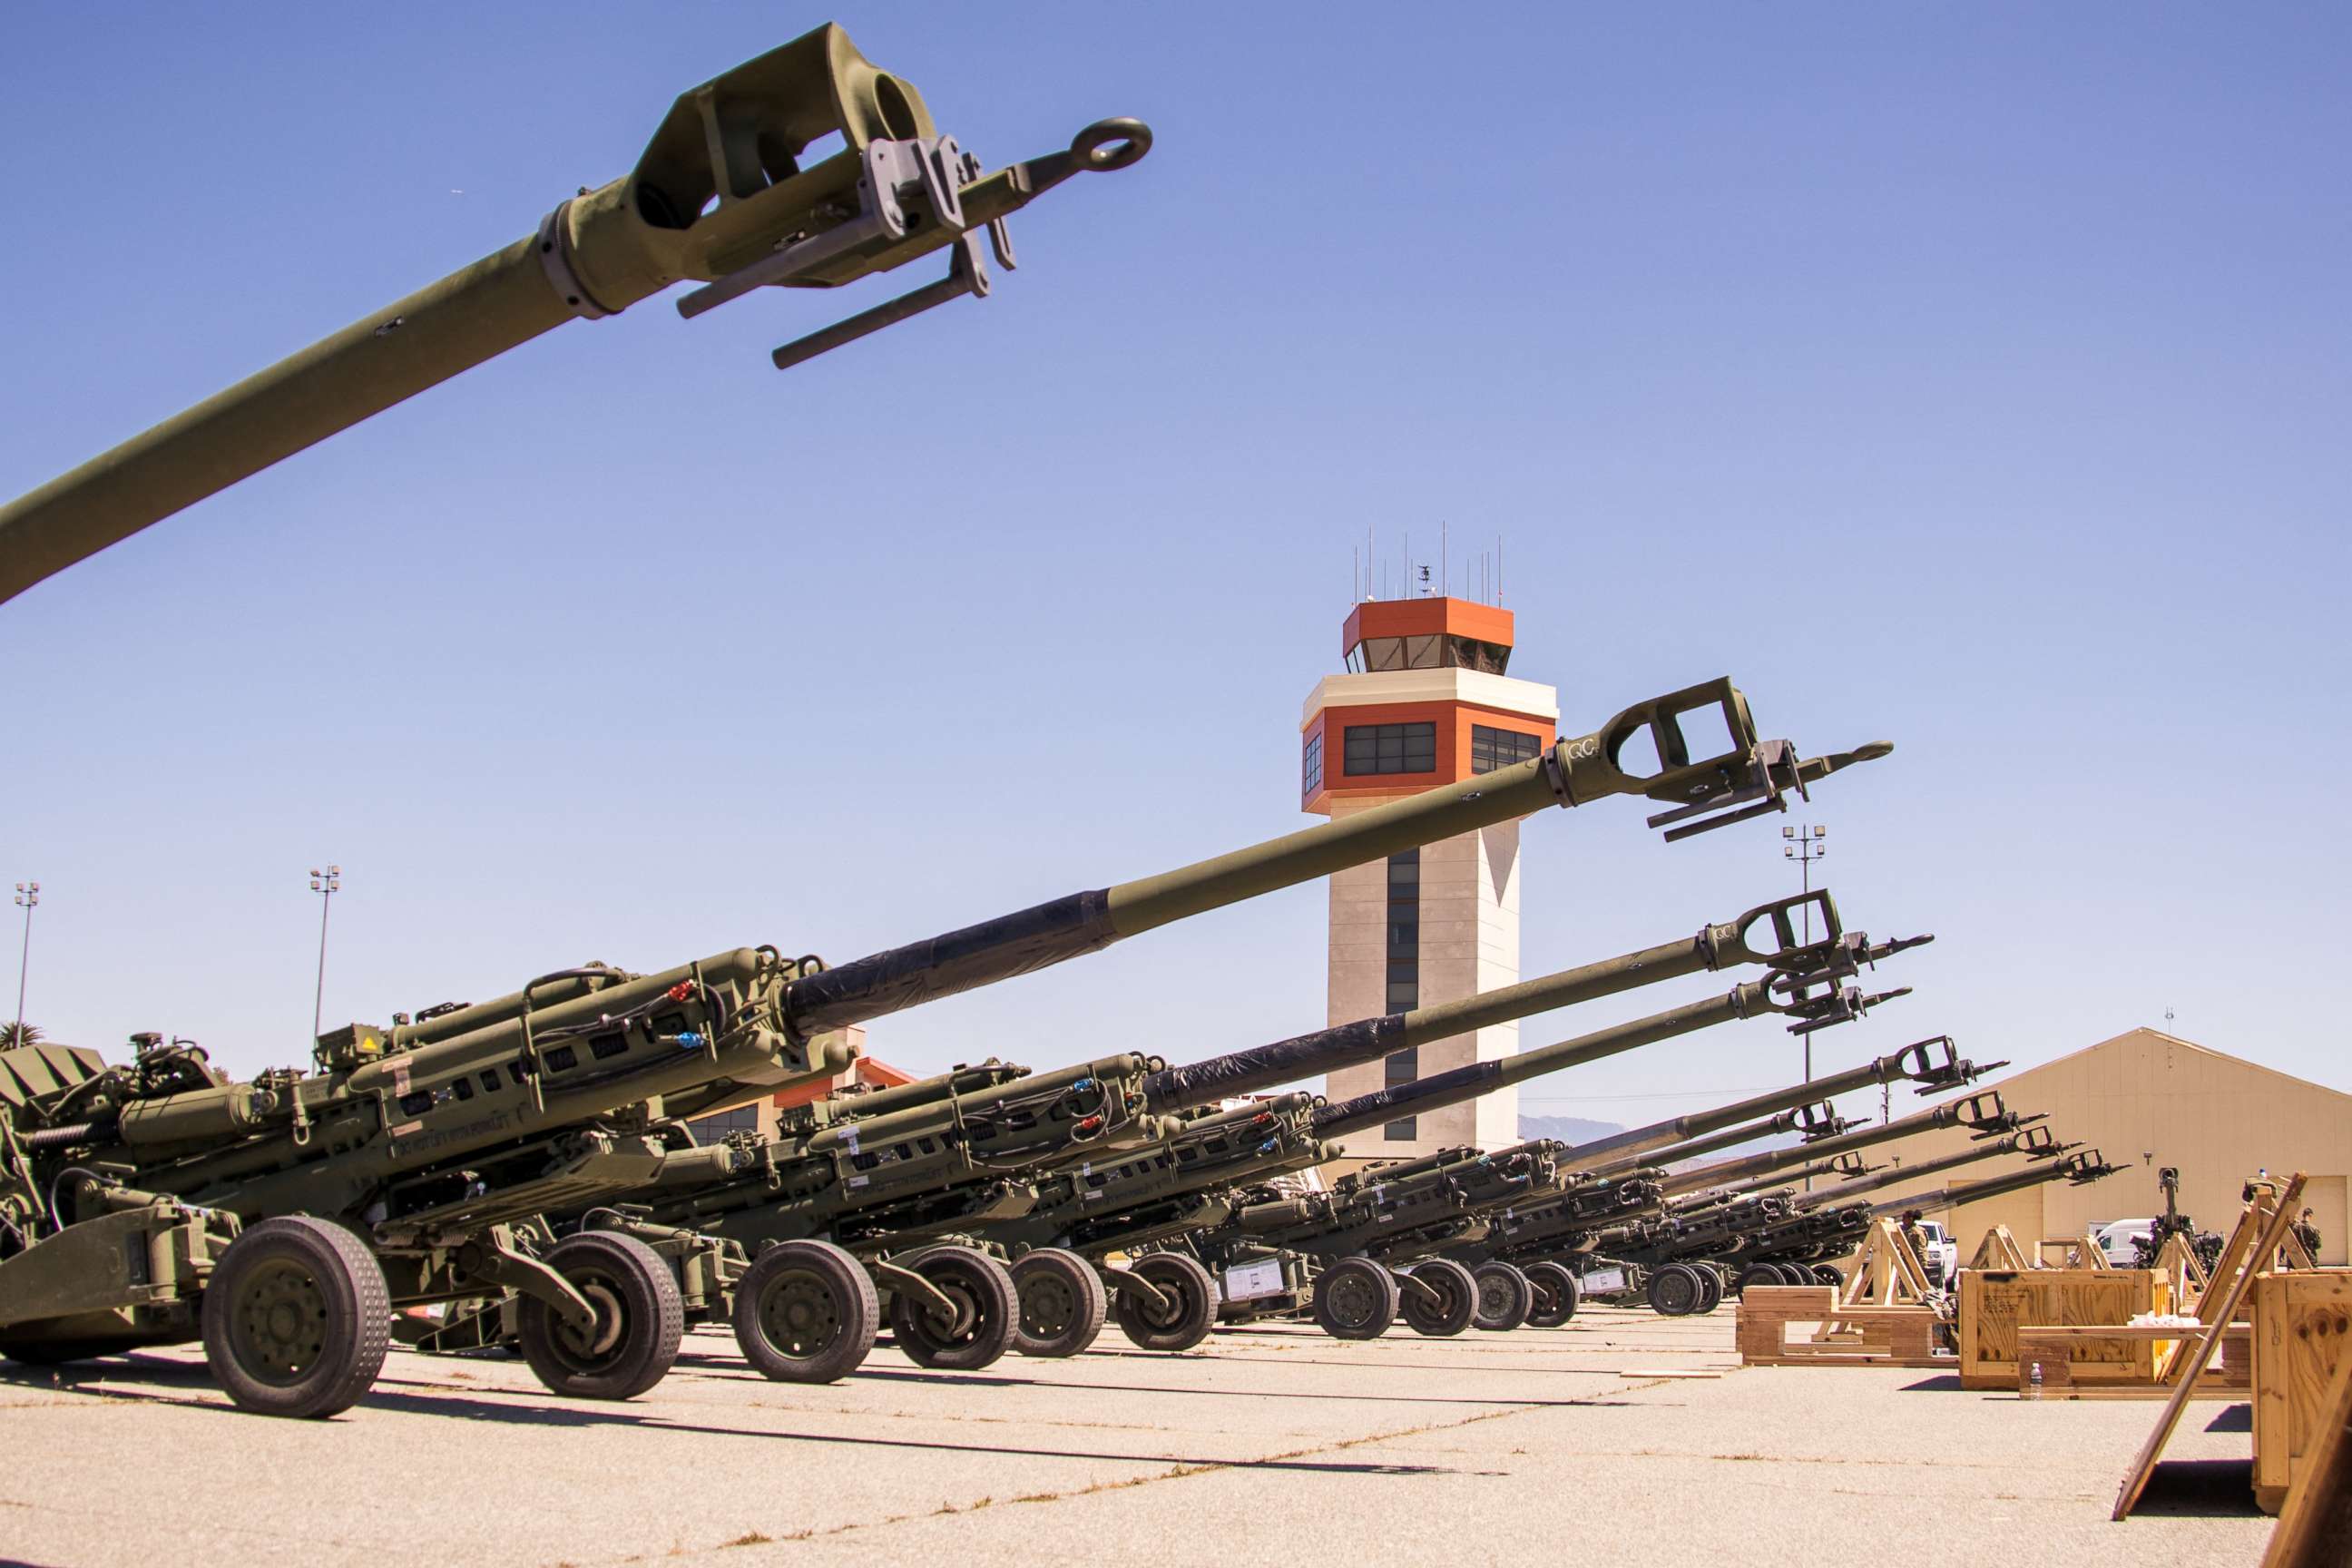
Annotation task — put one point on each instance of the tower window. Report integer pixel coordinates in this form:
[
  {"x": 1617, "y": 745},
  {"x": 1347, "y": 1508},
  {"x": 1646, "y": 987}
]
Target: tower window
[
  {"x": 1403, "y": 974},
  {"x": 1392, "y": 747},
  {"x": 1310, "y": 767},
  {"x": 1491, "y": 748}
]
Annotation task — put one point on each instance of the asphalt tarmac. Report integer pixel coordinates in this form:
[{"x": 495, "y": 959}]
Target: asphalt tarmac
[{"x": 1624, "y": 1438}]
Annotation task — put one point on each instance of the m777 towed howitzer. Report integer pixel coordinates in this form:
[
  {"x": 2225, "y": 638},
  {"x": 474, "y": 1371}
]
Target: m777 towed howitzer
[
  {"x": 1684, "y": 1260},
  {"x": 720, "y": 195},
  {"x": 1385, "y": 1215},
  {"x": 843, "y": 1204},
  {"x": 391, "y": 1177}
]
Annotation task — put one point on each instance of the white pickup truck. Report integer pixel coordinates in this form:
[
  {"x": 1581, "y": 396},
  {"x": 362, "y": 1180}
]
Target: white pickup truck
[{"x": 1943, "y": 1254}]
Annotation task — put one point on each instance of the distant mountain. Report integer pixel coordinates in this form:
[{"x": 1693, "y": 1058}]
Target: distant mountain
[{"x": 1567, "y": 1129}]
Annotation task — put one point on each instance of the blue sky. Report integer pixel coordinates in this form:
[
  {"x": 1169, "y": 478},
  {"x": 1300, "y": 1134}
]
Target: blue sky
[{"x": 1974, "y": 377}]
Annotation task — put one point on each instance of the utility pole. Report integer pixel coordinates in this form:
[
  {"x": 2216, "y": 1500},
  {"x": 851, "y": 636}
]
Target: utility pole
[
  {"x": 326, "y": 884},
  {"x": 1805, "y": 844},
  {"x": 28, "y": 897}
]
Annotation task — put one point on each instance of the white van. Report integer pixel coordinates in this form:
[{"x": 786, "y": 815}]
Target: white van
[{"x": 2120, "y": 1240}]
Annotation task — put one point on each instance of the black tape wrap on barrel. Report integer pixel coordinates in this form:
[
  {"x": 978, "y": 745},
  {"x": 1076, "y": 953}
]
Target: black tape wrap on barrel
[
  {"x": 1264, "y": 1067},
  {"x": 902, "y": 977},
  {"x": 1405, "y": 1098}
]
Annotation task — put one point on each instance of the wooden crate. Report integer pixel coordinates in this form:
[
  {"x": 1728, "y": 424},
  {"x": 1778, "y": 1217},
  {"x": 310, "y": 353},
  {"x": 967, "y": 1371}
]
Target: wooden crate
[
  {"x": 1994, "y": 1302},
  {"x": 2302, "y": 1321}
]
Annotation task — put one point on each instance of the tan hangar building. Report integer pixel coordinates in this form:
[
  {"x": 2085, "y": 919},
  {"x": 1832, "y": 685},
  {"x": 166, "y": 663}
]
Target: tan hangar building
[{"x": 2147, "y": 1099}]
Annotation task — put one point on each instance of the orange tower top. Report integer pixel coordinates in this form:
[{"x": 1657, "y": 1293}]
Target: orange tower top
[
  {"x": 1426, "y": 634},
  {"x": 1424, "y": 702}
]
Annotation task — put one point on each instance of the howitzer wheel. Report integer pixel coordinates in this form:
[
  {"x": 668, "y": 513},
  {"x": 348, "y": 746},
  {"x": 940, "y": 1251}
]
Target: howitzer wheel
[
  {"x": 1556, "y": 1294},
  {"x": 1759, "y": 1274},
  {"x": 1063, "y": 1302},
  {"x": 1826, "y": 1274},
  {"x": 640, "y": 1319},
  {"x": 1505, "y": 1297},
  {"x": 1710, "y": 1281},
  {"x": 807, "y": 1311},
  {"x": 1192, "y": 1309},
  {"x": 1675, "y": 1291},
  {"x": 1355, "y": 1299},
  {"x": 1798, "y": 1273},
  {"x": 986, "y": 1309},
  {"x": 1457, "y": 1302},
  {"x": 296, "y": 1318}
]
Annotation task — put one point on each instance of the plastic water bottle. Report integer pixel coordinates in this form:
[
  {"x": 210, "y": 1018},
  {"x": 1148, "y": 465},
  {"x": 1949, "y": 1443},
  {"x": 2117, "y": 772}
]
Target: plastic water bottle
[{"x": 2033, "y": 1382}]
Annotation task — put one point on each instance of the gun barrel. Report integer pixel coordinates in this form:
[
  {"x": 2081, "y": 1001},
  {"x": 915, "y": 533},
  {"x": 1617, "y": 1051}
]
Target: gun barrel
[
  {"x": 1969, "y": 1112},
  {"x": 1469, "y": 1082},
  {"x": 1958, "y": 1193},
  {"x": 1878, "y": 1181},
  {"x": 1788, "y": 1120},
  {"x": 1750, "y": 776},
  {"x": 1931, "y": 1062},
  {"x": 1369, "y": 1039},
  {"x": 897, "y": 190}
]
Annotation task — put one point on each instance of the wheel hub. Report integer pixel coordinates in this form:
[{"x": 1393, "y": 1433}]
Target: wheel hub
[
  {"x": 281, "y": 1324},
  {"x": 598, "y": 1341},
  {"x": 799, "y": 1314},
  {"x": 1047, "y": 1308}
]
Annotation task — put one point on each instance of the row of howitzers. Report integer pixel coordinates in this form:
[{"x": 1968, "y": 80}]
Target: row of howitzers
[{"x": 519, "y": 1171}]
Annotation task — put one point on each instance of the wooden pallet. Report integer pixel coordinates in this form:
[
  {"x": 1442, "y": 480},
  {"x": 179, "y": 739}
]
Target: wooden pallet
[{"x": 1843, "y": 1335}]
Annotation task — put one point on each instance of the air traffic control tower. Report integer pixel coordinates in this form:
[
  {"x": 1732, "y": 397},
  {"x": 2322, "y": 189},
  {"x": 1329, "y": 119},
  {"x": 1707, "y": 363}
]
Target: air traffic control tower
[{"x": 1424, "y": 702}]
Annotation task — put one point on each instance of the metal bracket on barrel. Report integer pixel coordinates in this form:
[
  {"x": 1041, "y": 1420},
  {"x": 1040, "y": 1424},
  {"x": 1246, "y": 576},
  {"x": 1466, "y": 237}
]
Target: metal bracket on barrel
[{"x": 905, "y": 183}]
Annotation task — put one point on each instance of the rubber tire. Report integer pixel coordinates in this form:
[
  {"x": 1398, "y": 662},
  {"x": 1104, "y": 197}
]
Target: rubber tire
[
  {"x": 1559, "y": 1281},
  {"x": 1453, "y": 1315},
  {"x": 1195, "y": 1314},
  {"x": 1826, "y": 1274},
  {"x": 842, "y": 1313},
  {"x": 625, "y": 1278},
  {"x": 1356, "y": 1299},
  {"x": 1757, "y": 1274},
  {"x": 1505, "y": 1297},
  {"x": 352, "y": 1307},
  {"x": 1674, "y": 1291},
  {"x": 990, "y": 1305},
  {"x": 1710, "y": 1281},
  {"x": 1063, "y": 1303}
]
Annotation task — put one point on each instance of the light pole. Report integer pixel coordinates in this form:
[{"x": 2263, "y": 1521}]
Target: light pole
[
  {"x": 28, "y": 897},
  {"x": 1805, "y": 844},
  {"x": 326, "y": 884}
]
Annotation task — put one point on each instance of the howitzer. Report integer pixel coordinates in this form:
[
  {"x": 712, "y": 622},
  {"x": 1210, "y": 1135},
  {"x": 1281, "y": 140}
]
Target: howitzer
[
  {"x": 1933, "y": 1065},
  {"x": 1778, "y": 1238},
  {"x": 1811, "y": 1008},
  {"x": 1543, "y": 1240},
  {"x": 962, "y": 1154},
  {"x": 723, "y": 193},
  {"x": 1356, "y": 1296},
  {"x": 427, "y": 1140},
  {"x": 2078, "y": 1168},
  {"x": 2033, "y": 1142},
  {"x": 1982, "y": 1113}
]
